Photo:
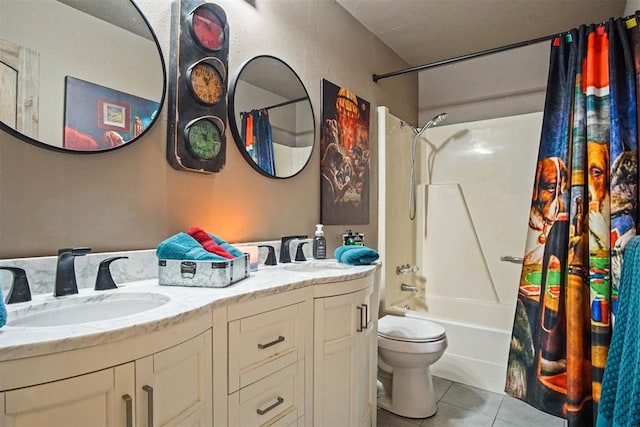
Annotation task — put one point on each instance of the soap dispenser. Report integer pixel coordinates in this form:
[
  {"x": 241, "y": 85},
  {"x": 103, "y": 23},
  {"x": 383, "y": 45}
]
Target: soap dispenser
[{"x": 319, "y": 243}]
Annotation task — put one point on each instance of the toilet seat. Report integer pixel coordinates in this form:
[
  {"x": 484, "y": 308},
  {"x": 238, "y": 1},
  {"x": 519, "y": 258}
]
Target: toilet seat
[
  {"x": 410, "y": 329},
  {"x": 410, "y": 335}
]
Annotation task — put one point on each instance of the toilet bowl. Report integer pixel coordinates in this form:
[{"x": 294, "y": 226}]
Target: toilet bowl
[{"x": 407, "y": 347}]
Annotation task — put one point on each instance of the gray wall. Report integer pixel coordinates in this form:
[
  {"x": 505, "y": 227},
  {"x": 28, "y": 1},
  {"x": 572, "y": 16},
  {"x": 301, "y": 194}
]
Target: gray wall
[{"x": 132, "y": 198}]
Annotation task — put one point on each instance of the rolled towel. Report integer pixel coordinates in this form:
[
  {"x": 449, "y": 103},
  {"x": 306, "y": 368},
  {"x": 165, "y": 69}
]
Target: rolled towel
[
  {"x": 182, "y": 246},
  {"x": 356, "y": 255},
  {"x": 208, "y": 243},
  {"x": 230, "y": 248},
  {"x": 3, "y": 310}
]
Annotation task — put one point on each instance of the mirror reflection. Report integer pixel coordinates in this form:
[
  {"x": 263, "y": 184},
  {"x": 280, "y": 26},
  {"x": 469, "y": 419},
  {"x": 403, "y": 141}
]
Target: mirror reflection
[
  {"x": 271, "y": 117},
  {"x": 89, "y": 78}
]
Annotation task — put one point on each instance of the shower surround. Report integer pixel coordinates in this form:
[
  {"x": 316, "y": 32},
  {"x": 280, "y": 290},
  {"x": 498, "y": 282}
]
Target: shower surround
[{"x": 473, "y": 195}]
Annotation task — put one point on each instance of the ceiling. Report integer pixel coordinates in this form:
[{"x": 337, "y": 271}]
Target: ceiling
[{"x": 425, "y": 31}]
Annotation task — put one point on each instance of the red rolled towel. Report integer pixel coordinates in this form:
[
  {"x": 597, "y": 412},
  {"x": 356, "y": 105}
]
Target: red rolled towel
[{"x": 208, "y": 243}]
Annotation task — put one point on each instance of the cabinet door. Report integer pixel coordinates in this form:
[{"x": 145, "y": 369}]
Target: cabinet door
[
  {"x": 174, "y": 386},
  {"x": 342, "y": 360},
  {"x": 90, "y": 400},
  {"x": 367, "y": 362}
]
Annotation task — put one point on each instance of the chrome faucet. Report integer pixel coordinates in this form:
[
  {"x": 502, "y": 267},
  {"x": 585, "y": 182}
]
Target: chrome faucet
[{"x": 66, "y": 283}]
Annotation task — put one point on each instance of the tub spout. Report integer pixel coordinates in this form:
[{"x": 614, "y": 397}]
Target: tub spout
[{"x": 409, "y": 288}]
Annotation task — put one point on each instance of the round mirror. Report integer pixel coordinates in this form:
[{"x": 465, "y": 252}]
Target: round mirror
[
  {"x": 271, "y": 117},
  {"x": 78, "y": 75}
]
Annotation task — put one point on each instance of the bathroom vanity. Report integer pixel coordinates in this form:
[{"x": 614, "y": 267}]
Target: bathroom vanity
[{"x": 293, "y": 344}]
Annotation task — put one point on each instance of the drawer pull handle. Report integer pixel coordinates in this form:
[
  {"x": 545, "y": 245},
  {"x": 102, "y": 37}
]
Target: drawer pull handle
[
  {"x": 149, "y": 391},
  {"x": 129, "y": 414},
  {"x": 360, "y": 311},
  {"x": 367, "y": 321},
  {"x": 277, "y": 403},
  {"x": 269, "y": 344}
]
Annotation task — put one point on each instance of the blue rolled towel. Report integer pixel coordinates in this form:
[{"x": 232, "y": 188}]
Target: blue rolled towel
[
  {"x": 229, "y": 248},
  {"x": 356, "y": 255},
  {"x": 183, "y": 246},
  {"x": 3, "y": 310}
]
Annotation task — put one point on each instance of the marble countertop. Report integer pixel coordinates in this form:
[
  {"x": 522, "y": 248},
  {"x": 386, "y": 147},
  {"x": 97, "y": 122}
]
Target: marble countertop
[{"x": 184, "y": 303}]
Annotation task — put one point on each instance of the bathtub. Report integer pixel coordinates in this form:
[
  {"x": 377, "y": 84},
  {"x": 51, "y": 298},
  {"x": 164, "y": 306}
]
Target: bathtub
[{"x": 478, "y": 334}]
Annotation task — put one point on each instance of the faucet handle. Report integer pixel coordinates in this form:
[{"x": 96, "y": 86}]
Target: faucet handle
[
  {"x": 104, "y": 280},
  {"x": 271, "y": 255},
  {"x": 300, "y": 252},
  {"x": 20, "y": 291}
]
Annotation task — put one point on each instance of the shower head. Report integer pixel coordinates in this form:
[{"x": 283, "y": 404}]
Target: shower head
[{"x": 433, "y": 122}]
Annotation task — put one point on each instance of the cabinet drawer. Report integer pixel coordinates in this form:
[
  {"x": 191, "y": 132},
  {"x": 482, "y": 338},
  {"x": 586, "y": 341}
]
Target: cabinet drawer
[
  {"x": 264, "y": 343},
  {"x": 276, "y": 400}
]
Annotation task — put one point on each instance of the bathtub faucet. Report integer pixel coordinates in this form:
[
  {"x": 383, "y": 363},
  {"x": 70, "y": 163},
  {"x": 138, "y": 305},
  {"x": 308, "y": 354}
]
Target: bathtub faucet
[
  {"x": 406, "y": 269},
  {"x": 409, "y": 288}
]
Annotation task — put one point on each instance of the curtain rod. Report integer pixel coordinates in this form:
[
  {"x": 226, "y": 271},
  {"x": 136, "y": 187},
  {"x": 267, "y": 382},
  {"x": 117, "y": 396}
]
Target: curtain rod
[
  {"x": 377, "y": 77},
  {"x": 282, "y": 104}
]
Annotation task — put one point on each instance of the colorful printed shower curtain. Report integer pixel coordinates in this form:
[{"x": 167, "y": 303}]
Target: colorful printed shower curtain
[
  {"x": 258, "y": 139},
  {"x": 583, "y": 213}
]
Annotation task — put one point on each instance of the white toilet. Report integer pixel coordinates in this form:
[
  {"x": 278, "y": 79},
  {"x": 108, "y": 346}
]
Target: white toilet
[{"x": 406, "y": 348}]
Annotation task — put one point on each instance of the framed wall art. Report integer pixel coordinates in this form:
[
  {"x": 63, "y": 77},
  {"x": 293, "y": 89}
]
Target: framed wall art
[
  {"x": 344, "y": 156},
  {"x": 97, "y": 117},
  {"x": 112, "y": 115}
]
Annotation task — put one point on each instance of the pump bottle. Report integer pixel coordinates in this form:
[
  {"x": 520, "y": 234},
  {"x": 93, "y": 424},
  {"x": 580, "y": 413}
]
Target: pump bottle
[{"x": 319, "y": 243}]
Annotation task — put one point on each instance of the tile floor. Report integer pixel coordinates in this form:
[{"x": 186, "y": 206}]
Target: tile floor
[{"x": 460, "y": 405}]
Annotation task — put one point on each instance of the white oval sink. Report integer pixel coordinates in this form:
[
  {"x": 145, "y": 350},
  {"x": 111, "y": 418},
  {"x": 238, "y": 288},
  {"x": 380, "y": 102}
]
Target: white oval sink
[
  {"x": 84, "y": 309},
  {"x": 315, "y": 266}
]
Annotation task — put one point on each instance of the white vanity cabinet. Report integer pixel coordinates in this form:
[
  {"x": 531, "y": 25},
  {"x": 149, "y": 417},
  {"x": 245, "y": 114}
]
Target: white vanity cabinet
[
  {"x": 286, "y": 349},
  {"x": 265, "y": 361},
  {"x": 345, "y": 356},
  {"x": 94, "y": 399},
  {"x": 168, "y": 387}
]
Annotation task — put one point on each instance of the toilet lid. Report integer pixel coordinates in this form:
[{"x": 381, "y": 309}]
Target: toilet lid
[{"x": 401, "y": 328}]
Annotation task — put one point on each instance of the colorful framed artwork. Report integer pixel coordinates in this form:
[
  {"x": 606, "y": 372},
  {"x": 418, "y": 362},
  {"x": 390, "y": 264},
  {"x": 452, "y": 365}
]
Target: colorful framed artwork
[
  {"x": 344, "y": 156},
  {"x": 112, "y": 115},
  {"x": 97, "y": 117}
]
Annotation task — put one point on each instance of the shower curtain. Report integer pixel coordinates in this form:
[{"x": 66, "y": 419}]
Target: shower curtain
[
  {"x": 583, "y": 212},
  {"x": 258, "y": 140}
]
